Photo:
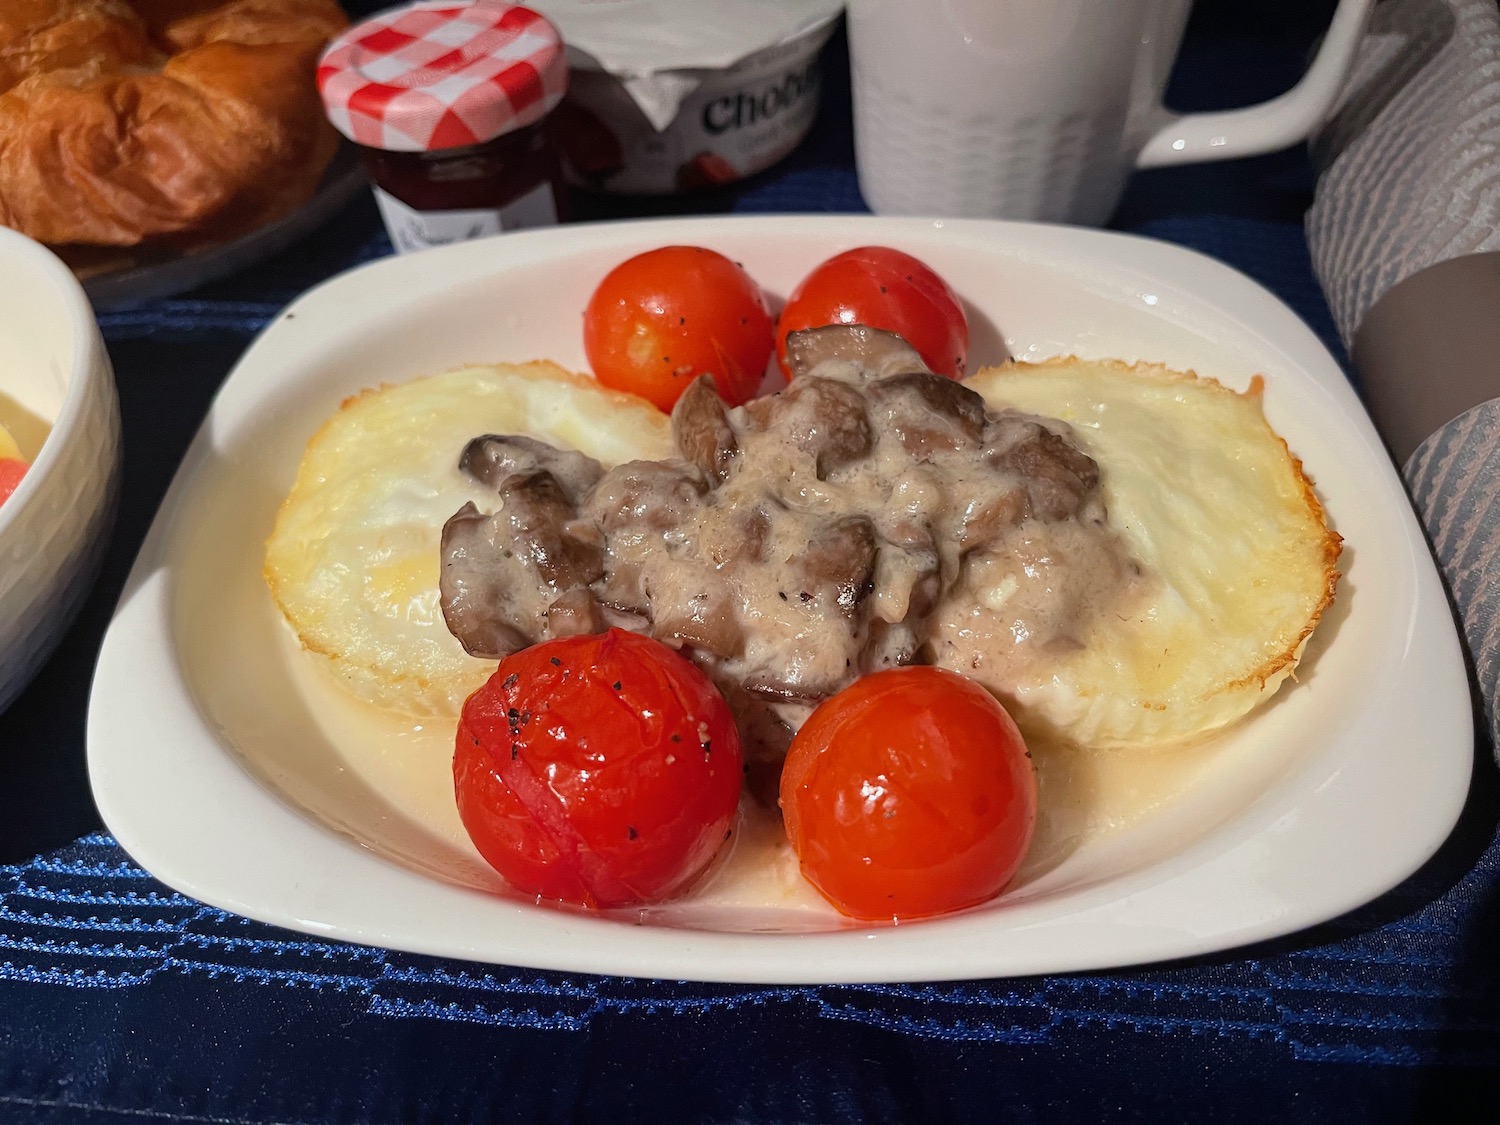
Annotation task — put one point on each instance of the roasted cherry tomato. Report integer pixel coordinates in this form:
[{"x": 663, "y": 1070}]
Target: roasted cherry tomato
[
  {"x": 660, "y": 319},
  {"x": 11, "y": 471},
  {"x": 603, "y": 770},
  {"x": 885, "y": 289},
  {"x": 907, "y": 794}
]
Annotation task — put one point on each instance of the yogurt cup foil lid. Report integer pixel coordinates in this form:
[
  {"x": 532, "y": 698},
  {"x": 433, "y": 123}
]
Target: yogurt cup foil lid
[{"x": 654, "y": 47}]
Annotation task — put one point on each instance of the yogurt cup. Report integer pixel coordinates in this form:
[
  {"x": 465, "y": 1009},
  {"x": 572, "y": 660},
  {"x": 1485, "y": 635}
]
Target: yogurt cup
[{"x": 657, "y": 118}]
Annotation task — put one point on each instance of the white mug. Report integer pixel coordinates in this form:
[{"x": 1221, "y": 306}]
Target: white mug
[{"x": 1040, "y": 109}]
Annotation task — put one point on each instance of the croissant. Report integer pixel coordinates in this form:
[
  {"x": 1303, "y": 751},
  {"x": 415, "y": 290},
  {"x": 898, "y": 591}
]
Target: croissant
[{"x": 183, "y": 120}]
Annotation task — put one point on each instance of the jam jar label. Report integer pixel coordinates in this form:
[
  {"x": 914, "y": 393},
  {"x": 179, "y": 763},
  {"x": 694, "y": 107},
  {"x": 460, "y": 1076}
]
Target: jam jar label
[{"x": 411, "y": 229}]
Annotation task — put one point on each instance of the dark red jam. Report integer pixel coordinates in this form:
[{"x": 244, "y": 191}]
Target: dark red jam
[{"x": 482, "y": 177}]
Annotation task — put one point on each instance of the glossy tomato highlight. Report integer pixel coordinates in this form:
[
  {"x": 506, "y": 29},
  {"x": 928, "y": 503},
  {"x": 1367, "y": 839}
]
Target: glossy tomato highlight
[
  {"x": 603, "y": 770},
  {"x": 909, "y": 793},
  {"x": 12, "y": 469},
  {"x": 887, "y": 289},
  {"x": 660, "y": 319}
]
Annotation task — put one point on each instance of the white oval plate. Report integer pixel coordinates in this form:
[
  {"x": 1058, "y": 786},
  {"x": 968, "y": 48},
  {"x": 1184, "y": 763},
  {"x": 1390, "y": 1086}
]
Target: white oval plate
[{"x": 229, "y": 782}]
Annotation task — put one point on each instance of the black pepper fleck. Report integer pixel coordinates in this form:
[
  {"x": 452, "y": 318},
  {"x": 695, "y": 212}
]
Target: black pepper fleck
[
  {"x": 556, "y": 663},
  {"x": 631, "y": 830}
]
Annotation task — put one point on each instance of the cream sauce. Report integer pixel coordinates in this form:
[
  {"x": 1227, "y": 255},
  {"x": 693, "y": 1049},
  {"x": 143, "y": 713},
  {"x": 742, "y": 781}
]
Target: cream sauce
[
  {"x": 405, "y": 764},
  {"x": 849, "y": 523},
  {"x": 926, "y": 498}
]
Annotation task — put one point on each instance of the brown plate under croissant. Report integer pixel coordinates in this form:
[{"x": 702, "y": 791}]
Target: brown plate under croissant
[{"x": 158, "y": 125}]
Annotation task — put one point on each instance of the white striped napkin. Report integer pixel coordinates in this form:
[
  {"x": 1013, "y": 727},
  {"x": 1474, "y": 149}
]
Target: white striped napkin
[
  {"x": 1410, "y": 163},
  {"x": 1410, "y": 178}
]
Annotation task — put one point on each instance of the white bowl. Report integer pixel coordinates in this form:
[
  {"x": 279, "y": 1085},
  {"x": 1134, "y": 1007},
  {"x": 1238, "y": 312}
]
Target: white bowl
[{"x": 57, "y": 397}]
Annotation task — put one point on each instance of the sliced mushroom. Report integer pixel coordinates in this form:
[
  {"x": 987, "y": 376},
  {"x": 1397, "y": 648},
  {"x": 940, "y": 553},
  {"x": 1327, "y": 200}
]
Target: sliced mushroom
[
  {"x": 705, "y": 619},
  {"x": 988, "y": 518},
  {"x": 928, "y": 413},
  {"x": 643, "y": 496},
  {"x": 491, "y": 458},
  {"x": 623, "y": 588},
  {"x": 474, "y": 591},
  {"x": 1057, "y": 475},
  {"x": 839, "y": 562},
  {"x": 575, "y": 613},
  {"x": 962, "y": 405},
  {"x": 824, "y": 417},
  {"x": 850, "y": 348},
  {"x": 701, "y": 429},
  {"x": 729, "y": 536},
  {"x": 532, "y": 522},
  {"x": 501, "y": 572}
]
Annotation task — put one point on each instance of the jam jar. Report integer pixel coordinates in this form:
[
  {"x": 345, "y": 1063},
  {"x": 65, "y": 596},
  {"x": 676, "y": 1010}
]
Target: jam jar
[{"x": 449, "y": 102}]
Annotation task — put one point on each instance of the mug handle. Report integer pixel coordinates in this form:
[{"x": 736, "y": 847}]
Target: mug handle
[{"x": 1282, "y": 121}]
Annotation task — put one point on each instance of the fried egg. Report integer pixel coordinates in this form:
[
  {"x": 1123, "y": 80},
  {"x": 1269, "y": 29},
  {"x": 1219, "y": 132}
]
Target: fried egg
[
  {"x": 1234, "y": 542},
  {"x": 353, "y": 559},
  {"x": 1239, "y": 562}
]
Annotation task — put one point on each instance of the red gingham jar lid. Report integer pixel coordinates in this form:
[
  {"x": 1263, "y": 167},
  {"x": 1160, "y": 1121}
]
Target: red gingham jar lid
[{"x": 442, "y": 74}]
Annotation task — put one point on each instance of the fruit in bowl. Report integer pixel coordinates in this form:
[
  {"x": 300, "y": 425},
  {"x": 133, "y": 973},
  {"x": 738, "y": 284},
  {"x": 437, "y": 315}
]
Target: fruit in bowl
[{"x": 59, "y": 407}]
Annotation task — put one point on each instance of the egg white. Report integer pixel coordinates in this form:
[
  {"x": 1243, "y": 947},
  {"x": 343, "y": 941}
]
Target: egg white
[
  {"x": 1240, "y": 559},
  {"x": 353, "y": 560}
]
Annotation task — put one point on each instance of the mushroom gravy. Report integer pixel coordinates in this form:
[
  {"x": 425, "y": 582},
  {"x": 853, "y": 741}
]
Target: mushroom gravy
[{"x": 872, "y": 514}]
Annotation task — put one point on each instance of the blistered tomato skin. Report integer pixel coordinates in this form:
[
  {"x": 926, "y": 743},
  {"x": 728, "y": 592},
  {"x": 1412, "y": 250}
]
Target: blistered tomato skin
[
  {"x": 909, "y": 794},
  {"x": 602, "y": 770},
  {"x": 660, "y": 319},
  {"x": 887, "y": 289}
]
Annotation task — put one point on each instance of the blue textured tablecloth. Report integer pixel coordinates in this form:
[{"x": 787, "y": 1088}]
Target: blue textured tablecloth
[{"x": 121, "y": 1000}]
